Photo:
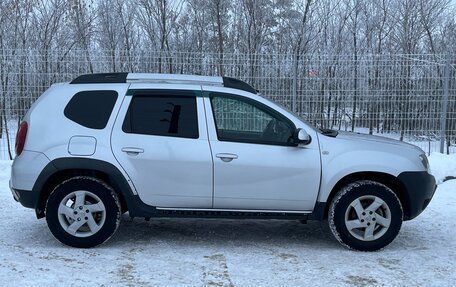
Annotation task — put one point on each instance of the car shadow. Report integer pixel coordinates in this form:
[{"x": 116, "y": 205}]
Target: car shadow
[
  {"x": 222, "y": 232},
  {"x": 219, "y": 233}
]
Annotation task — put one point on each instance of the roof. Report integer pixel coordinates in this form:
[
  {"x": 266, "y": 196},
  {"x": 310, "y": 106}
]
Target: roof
[{"x": 109, "y": 78}]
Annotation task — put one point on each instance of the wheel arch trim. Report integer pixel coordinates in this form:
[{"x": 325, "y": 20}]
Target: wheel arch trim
[
  {"x": 60, "y": 166},
  {"x": 391, "y": 181}
]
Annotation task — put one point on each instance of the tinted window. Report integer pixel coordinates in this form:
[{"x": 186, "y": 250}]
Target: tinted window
[
  {"x": 172, "y": 115},
  {"x": 243, "y": 120},
  {"x": 91, "y": 109}
]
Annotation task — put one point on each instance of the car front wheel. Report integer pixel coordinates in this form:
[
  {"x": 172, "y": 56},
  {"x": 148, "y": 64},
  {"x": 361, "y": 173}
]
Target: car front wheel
[{"x": 365, "y": 215}]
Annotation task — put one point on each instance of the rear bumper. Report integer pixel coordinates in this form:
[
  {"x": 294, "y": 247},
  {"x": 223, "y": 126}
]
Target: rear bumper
[
  {"x": 24, "y": 173},
  {"x": 26, "y": 168},
  {"x": 27, "y": 198},
  {"x": 420, "y": 187}
]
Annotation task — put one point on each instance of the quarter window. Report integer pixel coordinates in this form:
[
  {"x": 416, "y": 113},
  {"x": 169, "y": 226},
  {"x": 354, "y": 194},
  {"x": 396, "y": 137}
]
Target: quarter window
[
  {"x": 162, "y": 115},
  {"x": 244, "y": 120},
  {"x": 91, "y": 109}
]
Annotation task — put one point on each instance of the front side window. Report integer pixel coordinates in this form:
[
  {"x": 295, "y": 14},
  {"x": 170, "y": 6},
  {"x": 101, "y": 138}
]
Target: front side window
[
  {"x": 243, "y": 120},
  {"x": 170, "y": 114}
]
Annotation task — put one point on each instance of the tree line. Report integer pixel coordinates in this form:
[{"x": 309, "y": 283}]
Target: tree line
[
  {"x": 376, "y": 64},
  {"x": 300, "y": 27}
]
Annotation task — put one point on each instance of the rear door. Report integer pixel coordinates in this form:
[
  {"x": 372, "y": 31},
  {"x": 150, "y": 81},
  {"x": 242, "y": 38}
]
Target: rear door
[{"x": 160, "y": 139}]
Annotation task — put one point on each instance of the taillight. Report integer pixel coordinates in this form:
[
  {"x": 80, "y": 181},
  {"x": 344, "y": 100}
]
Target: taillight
[{"x": 20, "y": 137}]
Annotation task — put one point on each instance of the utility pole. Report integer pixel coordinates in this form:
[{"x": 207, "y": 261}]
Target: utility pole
[{"x": 444, "y": 107}]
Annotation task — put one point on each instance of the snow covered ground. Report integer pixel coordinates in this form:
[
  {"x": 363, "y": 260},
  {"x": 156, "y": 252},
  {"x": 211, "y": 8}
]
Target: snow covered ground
[{"x": 231, "y": 253}]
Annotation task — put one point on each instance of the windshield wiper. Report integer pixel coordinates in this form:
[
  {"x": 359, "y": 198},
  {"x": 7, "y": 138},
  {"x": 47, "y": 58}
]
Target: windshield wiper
[{"x": 329, "y": 132}]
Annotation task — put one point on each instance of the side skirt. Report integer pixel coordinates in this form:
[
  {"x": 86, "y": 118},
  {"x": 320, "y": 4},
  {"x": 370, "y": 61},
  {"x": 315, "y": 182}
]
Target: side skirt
[
  {"x": 237, "y": 214},
  {"x": 138, "y": 209}
]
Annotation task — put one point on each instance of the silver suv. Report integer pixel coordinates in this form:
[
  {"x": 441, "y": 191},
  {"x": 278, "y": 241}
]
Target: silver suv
[{"x": 157, "y": 145}]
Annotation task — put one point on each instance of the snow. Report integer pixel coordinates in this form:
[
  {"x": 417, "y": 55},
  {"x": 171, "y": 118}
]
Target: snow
[
  {"x": 442, "y": 166},
  {"x": 230, "y": 252}
]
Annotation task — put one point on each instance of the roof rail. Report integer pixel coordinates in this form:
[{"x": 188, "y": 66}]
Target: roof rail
[
  {"x": 173, "y": 79},
  {"x": 238, "y": 84},
  {"x": 163, "y": 78},
  {"x": 108, "y": 78}
]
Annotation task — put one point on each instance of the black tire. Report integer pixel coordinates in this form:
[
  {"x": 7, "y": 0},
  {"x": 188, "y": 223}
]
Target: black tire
[
  {"x": 107, "y": 219},
  {"x": 344, "y": 212}
]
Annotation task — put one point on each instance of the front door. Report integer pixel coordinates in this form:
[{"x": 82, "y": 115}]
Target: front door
[{"x": 256, "y": 164}]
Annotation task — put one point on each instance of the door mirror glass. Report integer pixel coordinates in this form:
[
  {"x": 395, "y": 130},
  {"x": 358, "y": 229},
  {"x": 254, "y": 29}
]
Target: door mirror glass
[{"x": 302, "y": 137}]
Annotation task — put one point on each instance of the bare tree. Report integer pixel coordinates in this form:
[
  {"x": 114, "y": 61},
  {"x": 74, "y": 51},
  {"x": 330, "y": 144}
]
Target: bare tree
[
  {"x": 5, "y": 8},
  {"x": 164, "y": 14},
  {"x": 219, "y": 14},
  {"x": 49, "y": 16},
  {"x": 259, "y": 21},
  {"x": 125, "y": 14},
  {"x": 108, "y": 33},
  {"x": 83, "y": 19},
  {"x": 377, "y": 29}
]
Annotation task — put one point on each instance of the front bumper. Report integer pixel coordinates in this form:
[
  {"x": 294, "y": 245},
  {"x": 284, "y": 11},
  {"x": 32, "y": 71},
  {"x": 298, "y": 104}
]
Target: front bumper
[{"x": 419, "y": 189}]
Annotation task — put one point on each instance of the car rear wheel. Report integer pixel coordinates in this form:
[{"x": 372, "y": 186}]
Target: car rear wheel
[
  {"x": 83, "y": 212},
  {"x": 365, "y": 215}
]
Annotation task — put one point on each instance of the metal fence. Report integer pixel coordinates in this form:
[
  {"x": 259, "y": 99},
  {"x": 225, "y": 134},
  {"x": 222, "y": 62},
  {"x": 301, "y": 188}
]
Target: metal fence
[{"x": 406, "y": 97}]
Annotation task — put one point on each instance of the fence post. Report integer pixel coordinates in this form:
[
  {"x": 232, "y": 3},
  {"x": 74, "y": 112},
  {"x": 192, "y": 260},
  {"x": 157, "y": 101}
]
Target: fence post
[
  {"x": 444, "y": 107},
  {"x": 295, "y": 83}
]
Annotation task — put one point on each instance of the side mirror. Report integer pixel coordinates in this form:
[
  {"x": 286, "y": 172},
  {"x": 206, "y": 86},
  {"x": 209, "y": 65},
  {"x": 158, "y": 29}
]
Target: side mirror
[{"x": 301, "y": 137}]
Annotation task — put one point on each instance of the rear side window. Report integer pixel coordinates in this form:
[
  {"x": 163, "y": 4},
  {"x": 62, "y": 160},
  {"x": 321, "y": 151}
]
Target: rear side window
[
  {"x": 91, "y": 109},
  {"x": 173, "y": 115}
]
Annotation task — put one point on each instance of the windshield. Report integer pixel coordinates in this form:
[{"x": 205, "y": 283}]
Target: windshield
[
  {"x": 293, "y": 113},
  {"x": 326, "y": 132}
]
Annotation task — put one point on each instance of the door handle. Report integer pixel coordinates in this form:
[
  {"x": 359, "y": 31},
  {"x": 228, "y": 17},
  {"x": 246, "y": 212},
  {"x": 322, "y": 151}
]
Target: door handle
[
  {"x": 132, "y": 150},
  {"x": 226, "y": 157}
]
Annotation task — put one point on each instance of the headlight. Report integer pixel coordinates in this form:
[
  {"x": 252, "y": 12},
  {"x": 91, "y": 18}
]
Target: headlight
[{"x": 424, "y": 161}]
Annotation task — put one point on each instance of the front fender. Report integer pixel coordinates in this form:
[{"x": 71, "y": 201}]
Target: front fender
[{"x": 339, "y": 165}]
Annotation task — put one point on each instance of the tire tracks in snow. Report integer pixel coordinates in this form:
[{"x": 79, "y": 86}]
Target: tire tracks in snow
[
  {"x": 216, "y": 273},
  {"x": 126, "y": 272}
]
